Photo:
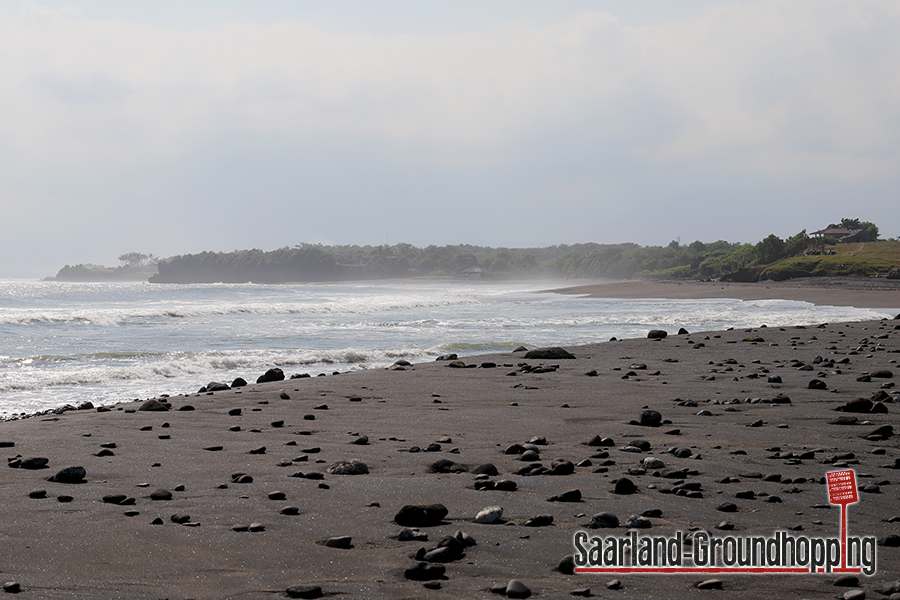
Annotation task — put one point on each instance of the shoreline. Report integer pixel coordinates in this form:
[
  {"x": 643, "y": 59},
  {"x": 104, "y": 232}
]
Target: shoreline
[
  {"x": 819, "y": 291},
  {"x": 723, "y": 433}
]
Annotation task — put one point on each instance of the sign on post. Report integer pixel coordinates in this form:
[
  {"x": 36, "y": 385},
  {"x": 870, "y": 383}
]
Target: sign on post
[{"x": 842, "y": 490}]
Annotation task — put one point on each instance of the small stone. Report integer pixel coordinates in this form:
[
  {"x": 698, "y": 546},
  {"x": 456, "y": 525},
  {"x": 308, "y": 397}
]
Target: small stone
[
  {"x": 421, "y": 515},
  {"x": 624, "y": 486},
  {"x": 489, "y": 515},
  {"x": 516, "y": 589},
  {"x": 304, "y": 591},
  {"x": 353, "y": 466},
  {"x": 604, "y": 520},
  {"x": 638, "y": 522},
  {"x": 424, "y": 571},
  {"x": 846, "y": 581},
  {"x": 12, "y": 587},
  {"x": 154, "y": 406},
  {"x": 569, "y": 496},
  {"x": 728, "y": 507},
  {"x": 710, "y": 584},
  {"x": 38, "y": 494},
  {"x": 34, "y": 463},
  {"x": 161, "y": 495},
  {"x": 344, "y": 542},
  {"x": 854, "y": 595},
  {"x": 650, "y": 418}
]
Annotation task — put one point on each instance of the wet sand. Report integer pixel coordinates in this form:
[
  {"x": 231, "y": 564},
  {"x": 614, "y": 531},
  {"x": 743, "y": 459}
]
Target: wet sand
[
  {"x": 714, "y": 388},
  {"x": 832, "y": 291}
]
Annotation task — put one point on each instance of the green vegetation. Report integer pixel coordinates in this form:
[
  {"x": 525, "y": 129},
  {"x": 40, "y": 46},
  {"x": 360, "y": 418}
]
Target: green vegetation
[
  {"x": 879, "y": 259},
  {"x": 135, "y": 267},
  {"x": 771, "y": 258}
]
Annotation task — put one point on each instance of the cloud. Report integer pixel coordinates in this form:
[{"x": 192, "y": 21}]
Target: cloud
[
  {"x": 586, "y": 109},
  {"x": 805, "y": 76}
]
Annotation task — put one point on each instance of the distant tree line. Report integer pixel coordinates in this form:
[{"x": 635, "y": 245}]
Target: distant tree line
[
  {"x": 134, "y": 267},
  {"x": 315, "y": 262}
]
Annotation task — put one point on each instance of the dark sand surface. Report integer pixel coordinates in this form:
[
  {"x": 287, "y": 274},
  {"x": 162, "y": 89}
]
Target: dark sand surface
[
  {"x": 832, "y": 291},
  {"x": 90, "y": 549}
]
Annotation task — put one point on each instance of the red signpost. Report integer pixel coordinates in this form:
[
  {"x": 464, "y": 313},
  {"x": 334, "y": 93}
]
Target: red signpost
[{"x": 842, "y": 490}]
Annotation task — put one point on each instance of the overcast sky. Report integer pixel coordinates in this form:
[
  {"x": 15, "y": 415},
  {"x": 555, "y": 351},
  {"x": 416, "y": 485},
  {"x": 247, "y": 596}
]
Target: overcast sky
[{"x": 172, "y": 127}]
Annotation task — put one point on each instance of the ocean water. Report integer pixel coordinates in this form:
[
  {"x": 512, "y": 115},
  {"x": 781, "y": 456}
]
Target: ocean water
[{"x": 68, "y": 343}]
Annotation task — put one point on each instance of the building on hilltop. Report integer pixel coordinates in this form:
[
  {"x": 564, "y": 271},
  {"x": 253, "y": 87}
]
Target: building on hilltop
[{"x": 840, "y": 234}]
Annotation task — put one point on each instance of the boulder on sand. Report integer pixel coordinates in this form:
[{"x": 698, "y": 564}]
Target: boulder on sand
[{"x": 553, "y": 353}]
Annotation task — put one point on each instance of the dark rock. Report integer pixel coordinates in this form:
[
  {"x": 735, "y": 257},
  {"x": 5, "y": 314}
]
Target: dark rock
[
  {"x": 657, "y": 334},
  {"x": 650, "y": 418},
  {"x": 600, "y": 441},
  {"x": 343, "y": 542},
  {"x": 421, "y": 515},
  {"x": 161, "y": 494},
  {"x": 353, "y": 466},
  {"x": 890, "y": 587},
  {"x": 304, "y": 591},
  {"x": 846, "y": 581},
  {"x": 860, "y": 405},
  {"x": 215, "y": 386},
  {"x": 439, "y": 555},
  {"x": 638, "y": 522},
  {"x": 486, "y": 469},
  {"x": 447, "y": 466},
  {"x": 817, "y": 384},
  {"x": 604, "y": 520},
  {"x": 154, "y": 406},
  {"x": 70, "y": 475},
  {"x": 274, "y": 374},
  {"x": 710, "y": 584},
  {"x": 424, "y": 571},
  {"x": 517, "y": 589},
  {"x": 539, "y": 521},
  {"x": 239, "y": 382},
  {"x": 34, "y": 463},
  {"x": 553, "y": 353},
  {"x": 38, "y": 494},
  {"x": 624, "y": 486},
  {"x": 728, "y": 507},
  {"x": 885, "y": 431},
  {"x": 12, "y": 587},
  {"x": 569, "y": 496},
  {"x": 882, "y": 374},
  {"x": 561, "y": 466},
  {"x": 567, "y": 565}
]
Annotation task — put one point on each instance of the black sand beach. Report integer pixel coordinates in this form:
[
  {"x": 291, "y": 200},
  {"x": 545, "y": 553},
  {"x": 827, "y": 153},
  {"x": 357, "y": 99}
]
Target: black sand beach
[{"x": 247, "y": 504}]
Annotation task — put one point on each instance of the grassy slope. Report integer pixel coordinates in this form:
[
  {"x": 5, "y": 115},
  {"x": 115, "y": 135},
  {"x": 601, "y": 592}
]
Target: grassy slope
[{"x": 849, "y": 260}]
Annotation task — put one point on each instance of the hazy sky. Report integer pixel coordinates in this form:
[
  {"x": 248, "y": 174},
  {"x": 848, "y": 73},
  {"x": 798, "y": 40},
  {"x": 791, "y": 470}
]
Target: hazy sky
[{"x": 171, "y": 127}]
